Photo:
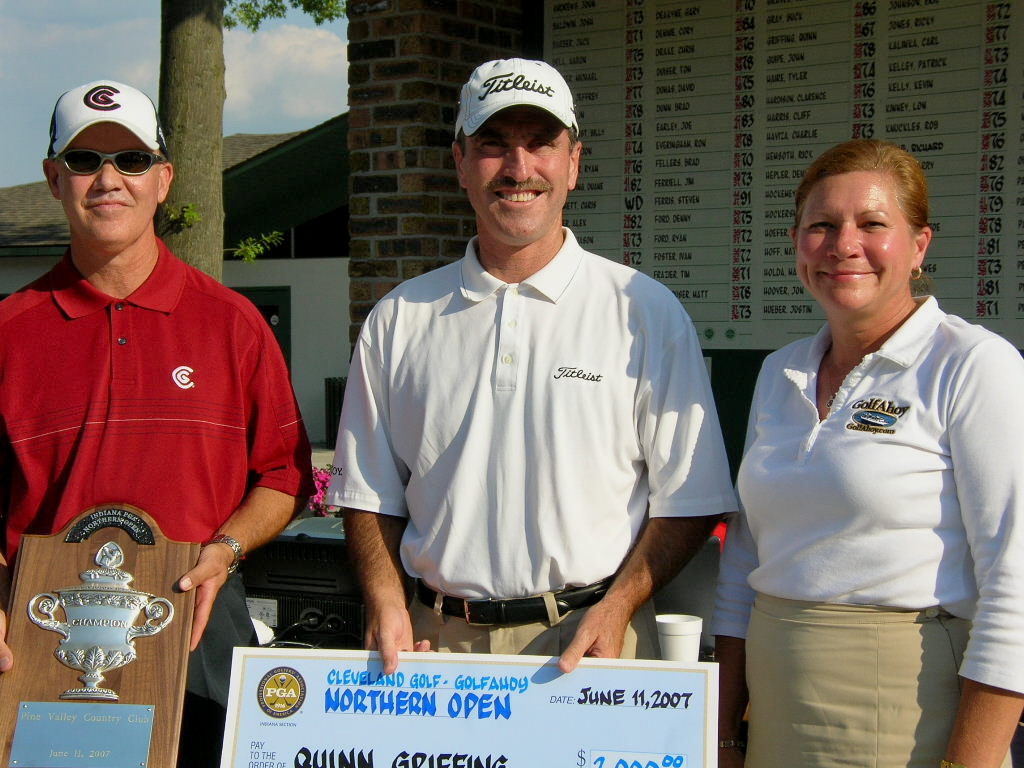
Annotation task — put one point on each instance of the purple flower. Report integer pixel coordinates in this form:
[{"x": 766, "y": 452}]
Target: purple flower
[{"x": 322, "y": 481}]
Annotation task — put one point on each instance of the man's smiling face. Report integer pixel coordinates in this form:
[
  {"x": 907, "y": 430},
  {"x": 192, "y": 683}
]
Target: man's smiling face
[
  {"x": 106, "y": 210},
  {"x": 517, "y": 170}
]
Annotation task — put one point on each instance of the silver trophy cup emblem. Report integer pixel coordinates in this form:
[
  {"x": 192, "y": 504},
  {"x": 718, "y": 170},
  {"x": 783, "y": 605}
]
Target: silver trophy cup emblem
[{"x": 100, "y": 629}]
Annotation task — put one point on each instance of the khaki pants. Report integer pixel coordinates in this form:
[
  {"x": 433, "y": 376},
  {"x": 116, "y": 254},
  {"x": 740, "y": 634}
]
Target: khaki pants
[
  {"x": 846, "y": 685},
  {"x": 454, "y": 635}
]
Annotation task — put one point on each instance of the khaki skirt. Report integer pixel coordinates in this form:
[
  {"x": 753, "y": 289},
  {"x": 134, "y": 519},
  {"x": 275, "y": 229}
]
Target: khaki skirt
[{"x": 846, "y": 685}]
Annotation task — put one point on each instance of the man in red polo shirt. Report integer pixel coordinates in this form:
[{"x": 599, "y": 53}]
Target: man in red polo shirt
[{"x": 128, "y": 376}]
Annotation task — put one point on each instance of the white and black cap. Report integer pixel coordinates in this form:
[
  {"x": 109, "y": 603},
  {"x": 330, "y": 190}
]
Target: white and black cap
[
  {"x": 505, "y": 83},
  {"x": 104, "y": 101}
]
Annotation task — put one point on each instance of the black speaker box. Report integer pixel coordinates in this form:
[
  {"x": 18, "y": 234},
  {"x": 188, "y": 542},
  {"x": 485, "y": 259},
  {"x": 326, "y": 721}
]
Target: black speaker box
[{"x": 302, "y": 585}]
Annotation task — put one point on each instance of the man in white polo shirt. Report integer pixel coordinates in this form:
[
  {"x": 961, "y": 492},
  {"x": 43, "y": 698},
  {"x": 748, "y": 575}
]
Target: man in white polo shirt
[{"x": 529, "y": 433}]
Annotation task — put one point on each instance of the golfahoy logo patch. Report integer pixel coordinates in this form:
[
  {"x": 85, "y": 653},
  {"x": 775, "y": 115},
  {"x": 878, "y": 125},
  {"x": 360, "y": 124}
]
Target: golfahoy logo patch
[{"x": 876, "y": 415}]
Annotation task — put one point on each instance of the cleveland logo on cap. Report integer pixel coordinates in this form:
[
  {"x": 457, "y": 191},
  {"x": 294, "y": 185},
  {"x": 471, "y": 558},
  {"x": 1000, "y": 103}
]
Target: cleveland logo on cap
[
  {"x": 506, "y": 82},
  {"x": 102, "y": 98}
]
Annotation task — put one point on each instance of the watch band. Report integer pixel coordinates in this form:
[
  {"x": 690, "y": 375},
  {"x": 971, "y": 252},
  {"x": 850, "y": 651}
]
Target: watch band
[{"x": 223, "y": 538}]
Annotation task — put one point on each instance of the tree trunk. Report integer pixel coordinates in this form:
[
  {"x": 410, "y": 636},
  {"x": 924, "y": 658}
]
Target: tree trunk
[{"x": 192, "y": 109}]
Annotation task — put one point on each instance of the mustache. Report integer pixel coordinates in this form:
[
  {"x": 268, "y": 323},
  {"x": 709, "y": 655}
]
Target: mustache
[{"x": 530, "y": 185}]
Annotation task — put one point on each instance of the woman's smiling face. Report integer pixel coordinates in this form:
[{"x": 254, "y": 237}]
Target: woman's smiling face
[{"x": 855, "y": 247}]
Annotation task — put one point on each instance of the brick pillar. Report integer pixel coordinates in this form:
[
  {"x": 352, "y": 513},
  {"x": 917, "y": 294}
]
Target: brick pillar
[{"x": 407, "y": 62}]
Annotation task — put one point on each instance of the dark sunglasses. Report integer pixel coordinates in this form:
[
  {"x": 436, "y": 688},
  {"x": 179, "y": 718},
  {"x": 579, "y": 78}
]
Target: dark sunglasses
[{"x": 130, "y": 162}]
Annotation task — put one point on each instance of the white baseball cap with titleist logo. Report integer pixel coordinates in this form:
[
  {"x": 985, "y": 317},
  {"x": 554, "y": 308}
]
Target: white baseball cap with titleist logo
[
  {"x": 104, "y": 101},
  {"x": 506, "y": 83}
]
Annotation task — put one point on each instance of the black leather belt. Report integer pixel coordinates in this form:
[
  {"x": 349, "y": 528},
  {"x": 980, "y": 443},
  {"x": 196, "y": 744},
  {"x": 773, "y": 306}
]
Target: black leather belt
[{"x": 516, "y": 610}]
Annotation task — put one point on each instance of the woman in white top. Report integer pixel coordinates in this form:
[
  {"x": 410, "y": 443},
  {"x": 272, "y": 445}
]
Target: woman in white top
[{"x": 871, "y": 595}]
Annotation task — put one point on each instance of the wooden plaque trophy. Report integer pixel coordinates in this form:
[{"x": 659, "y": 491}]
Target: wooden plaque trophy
[{"x": 100, "y": 638}]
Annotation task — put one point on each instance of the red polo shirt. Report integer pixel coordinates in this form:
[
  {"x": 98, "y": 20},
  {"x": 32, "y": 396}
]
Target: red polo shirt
[{"x": 176, "y": 400}]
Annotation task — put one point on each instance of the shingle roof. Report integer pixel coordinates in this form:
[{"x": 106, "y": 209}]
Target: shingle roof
[
  {"x": 239, "y": 147},
  {"x": 31, "y": 217}
]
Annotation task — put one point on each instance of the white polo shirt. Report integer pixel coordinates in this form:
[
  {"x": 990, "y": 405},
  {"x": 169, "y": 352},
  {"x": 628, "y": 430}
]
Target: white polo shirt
[
  {"x": 524, "y": 429},
  {"x": 909, "y": 495}
]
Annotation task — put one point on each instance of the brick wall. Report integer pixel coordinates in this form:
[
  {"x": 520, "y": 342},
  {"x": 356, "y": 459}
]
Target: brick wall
[{"x": 407, "y": 62}]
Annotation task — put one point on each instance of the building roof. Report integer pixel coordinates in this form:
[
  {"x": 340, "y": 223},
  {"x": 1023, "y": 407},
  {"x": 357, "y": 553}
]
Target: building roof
[
  {"x": 32, "y": 221},
  {"x": 290, "y": 184},
  {"x": 31, "y": 217},
  {"x": 239, "y": 147}
]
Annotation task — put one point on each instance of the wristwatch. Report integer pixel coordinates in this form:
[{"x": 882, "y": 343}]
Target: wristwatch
[{"x": 223, "y": 538}]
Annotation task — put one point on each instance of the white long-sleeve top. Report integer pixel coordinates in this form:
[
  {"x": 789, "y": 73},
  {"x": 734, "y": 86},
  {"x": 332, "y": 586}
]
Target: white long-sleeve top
[{"x": 908, "y": 495}]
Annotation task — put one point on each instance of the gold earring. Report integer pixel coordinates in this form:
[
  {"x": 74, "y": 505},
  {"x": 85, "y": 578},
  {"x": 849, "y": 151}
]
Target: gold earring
[{"x": 915, "y": 273}]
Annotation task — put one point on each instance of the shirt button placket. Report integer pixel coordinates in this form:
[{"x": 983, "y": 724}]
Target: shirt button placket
[
  {"x": 508, "y": 360},
  {"x": 119, "y": 338}
]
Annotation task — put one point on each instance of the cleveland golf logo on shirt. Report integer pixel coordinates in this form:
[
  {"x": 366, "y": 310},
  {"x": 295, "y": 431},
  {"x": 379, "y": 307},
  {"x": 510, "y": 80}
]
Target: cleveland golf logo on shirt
[
  {"x": 182, "y": 376},
  {"x": 876, "y": 415}
]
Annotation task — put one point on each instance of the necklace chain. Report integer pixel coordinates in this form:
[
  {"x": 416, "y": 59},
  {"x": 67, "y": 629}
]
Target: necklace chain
[{"x": 830, "y": 386}]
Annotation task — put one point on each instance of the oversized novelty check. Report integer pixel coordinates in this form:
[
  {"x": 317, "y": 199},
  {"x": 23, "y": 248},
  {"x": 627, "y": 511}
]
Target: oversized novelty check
[{"x": 336, "y": 709}]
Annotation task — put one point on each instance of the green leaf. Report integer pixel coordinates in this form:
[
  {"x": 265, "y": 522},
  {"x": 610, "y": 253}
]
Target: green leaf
[
  {"x": 249, "y": 248},
  {"x": 251, "y": 13},
  {"x": 176, "y": 221}
]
